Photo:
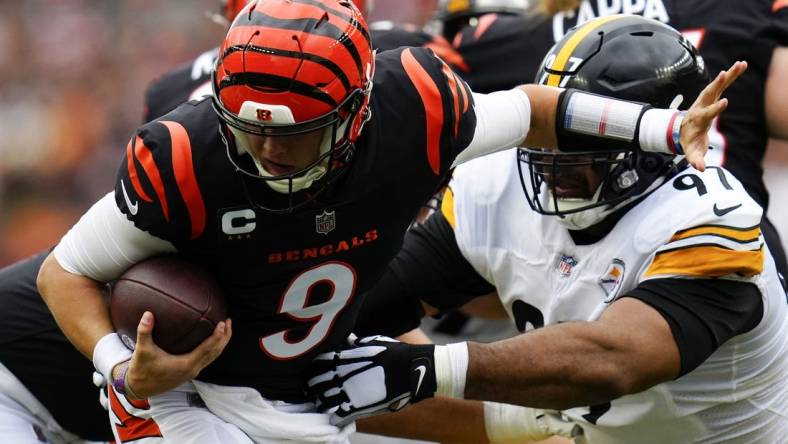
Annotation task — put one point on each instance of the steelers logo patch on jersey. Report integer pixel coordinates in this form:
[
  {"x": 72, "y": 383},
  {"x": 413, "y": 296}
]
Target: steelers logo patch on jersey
[{"x": 612, "y": 279}]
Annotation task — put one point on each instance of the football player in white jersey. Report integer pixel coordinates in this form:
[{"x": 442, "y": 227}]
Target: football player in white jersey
[{"x": 650, "y": 305}]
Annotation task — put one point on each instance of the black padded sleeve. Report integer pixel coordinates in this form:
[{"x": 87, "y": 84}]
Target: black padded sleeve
[
  {"x": 429, "y": 267},
  {"x": 702, "y": 313}
]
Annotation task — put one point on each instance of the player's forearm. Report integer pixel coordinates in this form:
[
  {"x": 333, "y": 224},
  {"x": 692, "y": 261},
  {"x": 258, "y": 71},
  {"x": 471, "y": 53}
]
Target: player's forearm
[
  {"x": 568, "y": 365},
  {"x": 438, "y": 419},
  {"x": 77, "y": 303},
  {"x": 544, "y": 105},
  {"x": 572, "y": 120}
]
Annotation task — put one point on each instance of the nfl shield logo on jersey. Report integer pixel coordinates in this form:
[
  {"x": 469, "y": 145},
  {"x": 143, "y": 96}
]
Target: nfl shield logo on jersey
[
  {"x": 565, "y": 265},
  {"x": 326, "y": 222},
  {"x": 612, "y": 279}
]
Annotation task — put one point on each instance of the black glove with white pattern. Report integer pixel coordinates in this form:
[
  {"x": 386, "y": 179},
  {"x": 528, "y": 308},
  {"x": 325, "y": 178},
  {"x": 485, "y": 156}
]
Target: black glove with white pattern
[{"x": 377, "y": 374}]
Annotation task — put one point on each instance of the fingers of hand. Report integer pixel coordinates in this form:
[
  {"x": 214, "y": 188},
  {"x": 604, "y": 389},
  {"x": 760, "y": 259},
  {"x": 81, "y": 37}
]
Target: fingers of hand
[
  {"x": 713, "y": 110},
  {"x": 724, "y": 79},
  {"x": 212, "y": 346},
  {"x": 321, "y": 378},
  {"x": 145, "y": 344},
  {"x": 733, "y": 73},
  {"x": 145, "y": 327},
  {"x": 697, "y": 161}
]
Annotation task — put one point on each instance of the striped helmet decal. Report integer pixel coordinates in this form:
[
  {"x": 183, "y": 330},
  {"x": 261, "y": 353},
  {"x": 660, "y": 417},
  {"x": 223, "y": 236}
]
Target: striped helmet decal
[{"x": 317, "y": 51}]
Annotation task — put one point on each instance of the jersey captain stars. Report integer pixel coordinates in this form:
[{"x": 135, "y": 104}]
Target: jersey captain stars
[{"x": 295, "y": 281}]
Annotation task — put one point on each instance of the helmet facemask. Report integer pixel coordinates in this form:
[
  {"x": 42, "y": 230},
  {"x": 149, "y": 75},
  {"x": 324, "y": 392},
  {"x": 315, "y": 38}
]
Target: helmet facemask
[
  {"x": 585, "y": 187},
  {"x": 271, "y": 82},
  {"x": 334, "y": 153},
  {"x": 626, "y": 57}
]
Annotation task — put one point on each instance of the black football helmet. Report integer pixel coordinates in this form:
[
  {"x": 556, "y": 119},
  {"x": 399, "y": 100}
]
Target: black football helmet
[{"x": 623, "y": 56}]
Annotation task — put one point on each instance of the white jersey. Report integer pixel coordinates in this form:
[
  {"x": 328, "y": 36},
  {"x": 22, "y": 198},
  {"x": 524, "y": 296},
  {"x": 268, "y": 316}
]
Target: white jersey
[{"x": 698, "y": 224}]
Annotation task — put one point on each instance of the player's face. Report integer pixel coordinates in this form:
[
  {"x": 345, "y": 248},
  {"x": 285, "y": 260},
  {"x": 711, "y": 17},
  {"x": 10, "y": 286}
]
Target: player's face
[
  {"x": 572, "y": 177},
  {"x": 285, "y": 154}
]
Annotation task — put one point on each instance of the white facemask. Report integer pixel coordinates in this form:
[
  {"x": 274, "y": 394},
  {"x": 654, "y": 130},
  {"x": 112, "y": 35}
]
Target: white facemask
[{"x": 282, "y": 114}]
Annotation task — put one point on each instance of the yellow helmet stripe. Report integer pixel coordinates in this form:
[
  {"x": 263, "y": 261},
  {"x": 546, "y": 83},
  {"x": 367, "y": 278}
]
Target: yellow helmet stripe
[{"x": 569, "y": 47}]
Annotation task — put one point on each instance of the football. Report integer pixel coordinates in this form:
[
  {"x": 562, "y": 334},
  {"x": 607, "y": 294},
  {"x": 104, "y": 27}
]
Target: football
[{"x": 186, "y": 301}]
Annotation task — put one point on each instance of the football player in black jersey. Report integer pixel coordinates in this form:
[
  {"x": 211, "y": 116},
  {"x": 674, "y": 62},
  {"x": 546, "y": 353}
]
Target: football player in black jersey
[
  {"x": 500, "y": 53},
  {"x": 272, "y": 184}
]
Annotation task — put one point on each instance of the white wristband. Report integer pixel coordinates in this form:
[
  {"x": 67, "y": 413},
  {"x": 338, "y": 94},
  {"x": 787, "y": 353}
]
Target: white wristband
[
  {"x": 659, "y": 131},
  {"x": 108, "y": 353},
  {"x": 507, "y": 424},
  {"x": 451, "y": 367}
]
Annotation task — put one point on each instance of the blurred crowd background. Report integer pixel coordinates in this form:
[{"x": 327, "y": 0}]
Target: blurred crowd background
[{"x": 72, "y": 79}]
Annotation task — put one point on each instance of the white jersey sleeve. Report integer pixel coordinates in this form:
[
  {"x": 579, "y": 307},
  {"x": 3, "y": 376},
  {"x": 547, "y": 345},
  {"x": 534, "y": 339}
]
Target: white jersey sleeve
[
  {"x": 104, "y": 243},
  {"x": 704, "y": 225}
]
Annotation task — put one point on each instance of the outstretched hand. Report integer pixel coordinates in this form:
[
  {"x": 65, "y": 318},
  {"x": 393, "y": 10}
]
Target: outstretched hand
[
  {"x": 694, "y": 133},
  {"x": 376, "y": 374},
  {"x": 153, "y": 371}
]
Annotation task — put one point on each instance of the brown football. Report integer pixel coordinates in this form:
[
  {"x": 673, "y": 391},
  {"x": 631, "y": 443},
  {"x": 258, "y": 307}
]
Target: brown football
[{"x": 186, "y": 301}]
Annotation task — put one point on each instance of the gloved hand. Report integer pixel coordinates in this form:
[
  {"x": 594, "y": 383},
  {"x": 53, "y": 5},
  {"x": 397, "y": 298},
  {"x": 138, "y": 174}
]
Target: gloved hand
[{"x": 377, "y": 374}]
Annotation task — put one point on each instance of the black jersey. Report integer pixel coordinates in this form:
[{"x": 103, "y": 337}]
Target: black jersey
[
  {"x": 186, "y": 82},
  {"x": 387, "y": 35},
  {"x": 294, "y": 280},
  {"x": 34, "y": 349},
  {"x": 502, "y": 51}
]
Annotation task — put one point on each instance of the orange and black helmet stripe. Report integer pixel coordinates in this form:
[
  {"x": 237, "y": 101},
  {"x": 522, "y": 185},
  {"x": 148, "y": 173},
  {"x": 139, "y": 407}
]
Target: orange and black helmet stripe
[
  {"x": 324, "y": 21},
  {"x": 295, "y": 34}
]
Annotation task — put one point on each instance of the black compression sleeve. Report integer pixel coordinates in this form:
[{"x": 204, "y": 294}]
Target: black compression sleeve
[
  {"x": 429, "y": 267},
  {"x": 702, "y": 313}
]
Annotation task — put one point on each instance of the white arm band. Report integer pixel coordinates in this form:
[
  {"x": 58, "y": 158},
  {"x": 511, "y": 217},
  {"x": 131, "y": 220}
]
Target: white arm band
[
  {"x": 104, "y": 243},
  {"x": 109, "y": 352},
  {"x": 510, "y": 424},
  {"x": 502, "y": 122},
  {"x": 659, "y": 131},
  {"x": 597, "y": 118},
  {"x": 451, "y": 368}
]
